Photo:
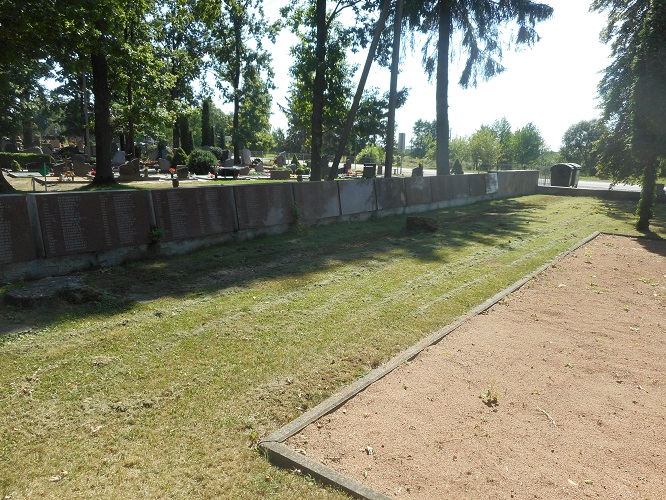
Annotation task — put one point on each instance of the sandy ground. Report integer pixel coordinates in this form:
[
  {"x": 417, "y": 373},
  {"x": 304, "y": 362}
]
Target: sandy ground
[{"x": 558, "y": 391}]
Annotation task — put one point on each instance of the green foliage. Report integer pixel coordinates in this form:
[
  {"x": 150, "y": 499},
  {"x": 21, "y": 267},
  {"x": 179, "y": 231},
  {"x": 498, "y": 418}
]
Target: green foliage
[
  {"x": 460, "y": 149},
  {"x": 527, "y": 145},
  {"x": 294, "y": 161},
  {"x": 218, "y": 152},
  {"x": 484, "y": 148},
  {"x": 7, "y": 160},
  {"x": 179, "y": 157},
  {"x": 423, "y": 138},
  {"x": 207, "y": 133},
  {"x": 370, "y": 126},
  {"x": 201, "y": 162},
  {"x": 579, "y": 144},
  {"x": 457, "y": 167},
  {"x": 372, "y": 154}
]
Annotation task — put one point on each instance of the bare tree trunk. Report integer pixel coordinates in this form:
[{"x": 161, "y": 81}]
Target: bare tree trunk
[
  {"x": 86, "y": 118},
  {"x": 103, "y": 127},
  {"x": 318, "y": 91},
  {"x": 442, "y": 104},
  {"x": 344, "y": 138},
  {"x": 393, "y": 94}
]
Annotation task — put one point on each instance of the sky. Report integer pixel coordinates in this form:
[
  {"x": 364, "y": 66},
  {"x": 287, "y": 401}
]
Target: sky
[{"x": 552, "y": 84}]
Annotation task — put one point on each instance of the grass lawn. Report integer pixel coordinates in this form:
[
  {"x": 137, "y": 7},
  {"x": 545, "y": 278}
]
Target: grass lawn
[{"x": 164, "y": 387}]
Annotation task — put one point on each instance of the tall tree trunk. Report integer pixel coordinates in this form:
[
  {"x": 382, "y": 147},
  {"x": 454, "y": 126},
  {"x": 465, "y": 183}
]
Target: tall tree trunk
[
  {"x": 344, "y": 138},
  {"x": 393, "y": 93},
  {"x": 26, "y": 123},
  {"x": 129, "y": 145},
  {"x": 86, "y": 117},
  {"x": 442, "y": 104},
  {"x": 103, "y": 127},
  {"x": 318, "y": 91},
  {"x": 237, "y": 75},
  {"x": 645, "y": 209}
]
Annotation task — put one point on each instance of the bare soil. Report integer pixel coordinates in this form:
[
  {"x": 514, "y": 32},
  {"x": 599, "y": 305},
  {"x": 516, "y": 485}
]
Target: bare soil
[{"x": 558, "y": 391}]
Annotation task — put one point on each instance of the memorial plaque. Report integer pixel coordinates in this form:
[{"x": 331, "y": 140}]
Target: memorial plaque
[
  {"x": 460, "y": 186},
  {"x": 390, "y": 193},
  {"x": 193, "y": 213},
  {"x": 73, "y": 223},
  {"x": 317, "y": 200},
  {"x": 357, "y": 196},
  {"x": 517, "y": 182},
  {"x": 418, "y": 190},
  {"x": 477, "y": 184},
  {"x": 441, "y": 188},
  {"x": 491, "y": 183},
  {"x": 16, "y": 243},
  {"x": 265, "y": 205}
]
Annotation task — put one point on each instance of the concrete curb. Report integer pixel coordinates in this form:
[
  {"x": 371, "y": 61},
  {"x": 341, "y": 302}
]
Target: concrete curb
[{"x": 281, "y": 455}]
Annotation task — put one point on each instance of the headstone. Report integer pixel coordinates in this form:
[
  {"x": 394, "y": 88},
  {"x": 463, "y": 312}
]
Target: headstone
[
  {"x": 114, "y": 147},
  {"x": 153, "y": 155},
  {"x": 34, "y": 149},
  {"x": 79, "y": 145},
  {"x": 246, "y": 157},
  {"x": 46, "y": 149},
  {"x": 346, "y": 168},
  {"x": 164, "y": 165},
  {"x": 259, "y": 167},
  {"x": 418, "y": 171},
  {"x": 81, "y": 169},
  {"x": 130, "y": 169},
  {"x": 55, "y": 144},
  {"x": 118, "y": 158},
  {"x": 281, "y": 160},
  {"x": 229, "y": 162}
]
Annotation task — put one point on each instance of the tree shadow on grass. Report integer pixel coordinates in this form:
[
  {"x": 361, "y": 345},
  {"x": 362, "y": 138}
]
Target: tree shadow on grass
[{"x": 313, "y": 250}]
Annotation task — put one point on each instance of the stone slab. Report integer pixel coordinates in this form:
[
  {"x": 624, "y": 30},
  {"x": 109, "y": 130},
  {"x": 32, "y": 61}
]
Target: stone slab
[
  {"x": 260, "y": 206},
  {"x": 73, "y": 223},
  {"x": 517, "y": 182},
  {"x": 460, "y": 186},
  {"x": 357, "y": 196},
  {"x": 419, "y": 191},
  {"x": 477, "y": 184},
  {"x": 317, "y": 200},
  {"x": 193, "y": 213},
  {"x": 390, "y": 193},
  {"x": 16, "y": 242},
  {"x": 441, "y": 187}
]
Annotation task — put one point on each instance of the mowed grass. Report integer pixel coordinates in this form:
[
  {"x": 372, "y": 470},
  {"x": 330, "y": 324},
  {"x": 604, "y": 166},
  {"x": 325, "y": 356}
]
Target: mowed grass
[{"x": 164, "y": 387}]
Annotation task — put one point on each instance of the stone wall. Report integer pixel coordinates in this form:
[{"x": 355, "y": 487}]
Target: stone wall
[{"x": 44, "y": 234}]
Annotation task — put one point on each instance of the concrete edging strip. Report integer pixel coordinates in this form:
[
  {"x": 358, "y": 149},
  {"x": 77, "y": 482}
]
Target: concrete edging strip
[{"x": 282, "y": 455}]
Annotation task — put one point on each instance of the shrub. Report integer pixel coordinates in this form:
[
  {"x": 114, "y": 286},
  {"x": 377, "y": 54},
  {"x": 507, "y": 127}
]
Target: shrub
[
  {"x": 179, "y": 158},
  {"x": 457, "y": 167},
  {"x": 294, "y": 161},
  {"x": 23, "y": 159},
  {"x": 15, "y": 166},
  {"x": 201, "y": 162},
  {"x": 372, "y": 154},
  {"x": 218, "y": 152}
]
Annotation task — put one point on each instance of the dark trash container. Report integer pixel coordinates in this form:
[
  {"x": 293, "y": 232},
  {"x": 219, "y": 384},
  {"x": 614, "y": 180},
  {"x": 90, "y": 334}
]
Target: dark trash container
[
  {"x": 369, "y": 170},
  {"x": 565, "y": 174}
]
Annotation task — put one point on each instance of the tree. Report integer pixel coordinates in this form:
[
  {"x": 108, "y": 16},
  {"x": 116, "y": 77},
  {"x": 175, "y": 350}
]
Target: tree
[
  {"x": 243, "y": 67},
  {"x": 300, "y": 101},
  {"x": 528, "y": 145},
  {"x": 424, "y": 135},
  {"x": 484, "y": 148},
  {"x": 460, "y": 149},
  {"x": 478, "y": 23},
  {"x": 502, "y": 129},
  {"x": 579, "y": 144},
  {"x": 207, "y": 131},
  {"x": 633, "y": 92}
]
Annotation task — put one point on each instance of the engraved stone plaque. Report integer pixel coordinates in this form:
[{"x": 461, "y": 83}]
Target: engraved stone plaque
[
  {"x": 16, "y": 243},
  {"x": 260, "y": 206},
  {"x": 390, "y": 193},
  {"x": 193, "y": 213},
  {"x": 74, "y": 223}
]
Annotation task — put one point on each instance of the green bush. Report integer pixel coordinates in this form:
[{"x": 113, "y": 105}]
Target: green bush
[
  {"x": 179, "y": 158},
  {"x": 294, "y": 161},
  {"x": 23, "y": 159},
  {"x": 201, "y": 162},
  {"x": 15, "y": 166},
  {"x": 457, "y": 167},
  {"x": 372, "y": 154},
  {"x": 218, "y": 152}
]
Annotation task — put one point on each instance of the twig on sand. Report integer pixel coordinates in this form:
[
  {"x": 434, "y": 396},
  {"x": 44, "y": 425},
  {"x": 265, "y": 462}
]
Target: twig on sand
[{"x": 547, "y": 414}]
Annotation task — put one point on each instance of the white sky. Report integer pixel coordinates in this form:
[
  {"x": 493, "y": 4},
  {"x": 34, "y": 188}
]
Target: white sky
[{"x": 552, "y": 84}]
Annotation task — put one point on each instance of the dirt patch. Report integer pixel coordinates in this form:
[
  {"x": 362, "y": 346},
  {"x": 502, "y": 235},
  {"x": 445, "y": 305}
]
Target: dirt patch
[{"x": 556, "y": 391}]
